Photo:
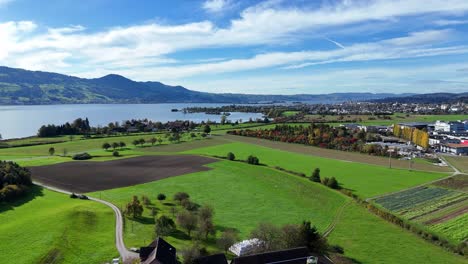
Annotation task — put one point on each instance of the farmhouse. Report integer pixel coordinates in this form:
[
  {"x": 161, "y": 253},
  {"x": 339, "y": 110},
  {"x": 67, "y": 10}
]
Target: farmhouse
[
  {"x": 158, "y": 252},
  {"x": 245, "y": 247}
]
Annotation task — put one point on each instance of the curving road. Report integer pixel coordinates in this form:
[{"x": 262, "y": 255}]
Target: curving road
[{"x": 126, "y": 255}]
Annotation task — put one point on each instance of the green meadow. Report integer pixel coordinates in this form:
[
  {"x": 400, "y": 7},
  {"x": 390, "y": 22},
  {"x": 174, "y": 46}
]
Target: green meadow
[
  {"x": 364, "y": 179},
  {"x": 48, "y": 227},
  {"x": 242, "y": 196}
]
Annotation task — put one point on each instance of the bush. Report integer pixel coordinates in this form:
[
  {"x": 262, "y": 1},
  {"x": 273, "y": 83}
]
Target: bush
[
  {"x": 180, "y": 196},
  {"x": 231, "y": 156},
  {"x": 161, "y": 197},
  {"x": 315, "y": 175},
  {"x": 82, "y": 156},
  {"x": 115, "y": 153},
  {"x": 253, "y": 160},
  {"x": 73, "y": 196}
]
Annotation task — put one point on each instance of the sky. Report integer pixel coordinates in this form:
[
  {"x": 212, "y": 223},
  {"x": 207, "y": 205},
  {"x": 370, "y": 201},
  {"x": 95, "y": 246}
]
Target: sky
[{"x": 258, "y": 47}]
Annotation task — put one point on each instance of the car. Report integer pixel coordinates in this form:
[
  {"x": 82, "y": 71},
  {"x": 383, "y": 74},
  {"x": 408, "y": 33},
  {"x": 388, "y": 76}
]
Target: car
[{"x": 116, "y": 261}]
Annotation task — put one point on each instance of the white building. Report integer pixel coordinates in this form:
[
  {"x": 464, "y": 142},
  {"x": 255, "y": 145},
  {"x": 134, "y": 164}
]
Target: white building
[
  {"x": 457, "y": 149},
  {"x": 455, "y": 126},
  {"x": 246, "y": 247}
]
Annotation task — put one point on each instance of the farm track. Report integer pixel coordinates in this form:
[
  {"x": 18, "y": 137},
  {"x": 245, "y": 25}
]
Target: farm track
[
  {"x": 126, "y": 255},
  {"x": 336, "y": 219}
]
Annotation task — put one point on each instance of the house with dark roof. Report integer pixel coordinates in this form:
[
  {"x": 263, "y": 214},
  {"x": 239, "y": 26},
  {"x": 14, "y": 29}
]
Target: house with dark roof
[
  {"x": 213, "y": 259},
  {"x": 158, "y": 252},
  {"x": 299, "y": 255}
]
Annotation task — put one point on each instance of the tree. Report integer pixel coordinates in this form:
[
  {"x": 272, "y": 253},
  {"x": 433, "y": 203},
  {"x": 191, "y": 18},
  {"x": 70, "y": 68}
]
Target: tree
[
  {"x": 134, "y": 208},
  {"x": 51, "y": 151},
  {"x": 187, "y": 220},
  {"x": 252, "y": 160},
  {"x": 115, "y": 153},
  {"x": 312, "y": 239},
  {"x": 269, "y": 234},
  {"x": 160, "y": 141},
  {"x": 146, "y": 200},
  {"x": 206, "y": 212},
  {"x": 315, "y": 175},
  {"x": 176, "y": 137},
  {"x": 65, "y": 152},
  {"x": 153, "y": 140},
  {"x": 333, "y": 183},
  {"x": 231, "y": 156},
  {"x": 207, "y": 129},
  {"x": 223, "y": 119},
  {"x": 142, "y": 141},
  {"x": 136, "y": 142},
  {"x": 122, "y": 144},
  {"x": 106, "y": 146},
  {"x": 115, "y": 145},
  {"x": 180, "y": 196},
  {"x": 190, "y": 254},
  {"x": 207, "y": 227},
  {"x": 164, "y": 226},
  {"x": 227, "y": 239},
  {"x": 161, "y": 197}
]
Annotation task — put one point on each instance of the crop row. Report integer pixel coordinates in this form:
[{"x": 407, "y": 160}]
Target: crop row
[
  {"x": 411, "y": 198},
  {"x": 447, "y": 210},
  {"x": 433, "y": 205},
  {"x": 454, "y": 228}
]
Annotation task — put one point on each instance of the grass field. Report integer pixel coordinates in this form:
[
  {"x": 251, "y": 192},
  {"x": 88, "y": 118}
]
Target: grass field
[
  {"x": 461, "y": 163},
  {"x": 370, "y": 239},
  {"x": 395, "y": 118},
  {"x": 336, "y": 154},
  {"x": 365, "y": 180},
  {"x": 84, "y": 145},
  {"x": 242, "y": 196},
  {"x": 52, "y": 228}
]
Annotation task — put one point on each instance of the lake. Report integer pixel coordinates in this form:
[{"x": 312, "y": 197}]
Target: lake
[{"x": 24, "y": 120}]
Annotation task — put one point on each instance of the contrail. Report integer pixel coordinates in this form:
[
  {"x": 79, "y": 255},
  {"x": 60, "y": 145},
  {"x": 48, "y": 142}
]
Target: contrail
[{"x": 334, "y": 42}]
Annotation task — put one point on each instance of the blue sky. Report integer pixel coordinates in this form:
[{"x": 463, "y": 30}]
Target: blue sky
[{"x": 261, "y": 47}]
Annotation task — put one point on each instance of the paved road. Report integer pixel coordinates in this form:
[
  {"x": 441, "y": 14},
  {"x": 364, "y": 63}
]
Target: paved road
[{"x": 125, "y": 254}]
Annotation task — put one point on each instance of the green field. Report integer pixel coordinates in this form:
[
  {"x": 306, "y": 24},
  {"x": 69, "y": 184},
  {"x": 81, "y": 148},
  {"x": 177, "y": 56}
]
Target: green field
[
  {"x": 242, "y": 196},
  {"x": 51, "y": 226},
  {"x": 370, "y": 239},
  {"x": 365, "y": 180}
]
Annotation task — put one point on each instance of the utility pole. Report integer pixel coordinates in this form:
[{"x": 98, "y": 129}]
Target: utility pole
[{"x": 390, "y": 158}]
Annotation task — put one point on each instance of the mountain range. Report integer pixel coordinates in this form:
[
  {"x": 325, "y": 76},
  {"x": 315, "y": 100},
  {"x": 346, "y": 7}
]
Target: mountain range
[{"x": 23, "y": 87}]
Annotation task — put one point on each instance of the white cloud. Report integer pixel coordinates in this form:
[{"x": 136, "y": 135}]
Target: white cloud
[
  {"x": 143, "y": 51},
  {"x": 5, "y": 2},
  {"x": 216, "y": 6},
  {"x": 444, "y": 22}
]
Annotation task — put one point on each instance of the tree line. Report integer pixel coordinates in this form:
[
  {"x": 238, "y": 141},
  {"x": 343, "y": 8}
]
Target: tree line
[
  {"x": 417, "y": 136},
  {"x": 82, "y": 127},
  {"x": 320, "y": 135}
]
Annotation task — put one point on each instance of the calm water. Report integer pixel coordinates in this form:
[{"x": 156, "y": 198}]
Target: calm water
[{"x": 23, "y": 121}]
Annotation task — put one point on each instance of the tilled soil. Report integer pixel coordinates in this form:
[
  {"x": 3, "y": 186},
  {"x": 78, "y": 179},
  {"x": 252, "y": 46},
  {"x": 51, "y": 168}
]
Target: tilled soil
[{"x": 90, "y": 176}]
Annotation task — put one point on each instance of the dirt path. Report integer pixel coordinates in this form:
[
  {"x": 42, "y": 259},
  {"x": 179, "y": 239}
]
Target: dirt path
[
  {"x": 126, "y": 255},
  {"x": 337, "y": 218}
]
